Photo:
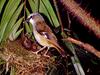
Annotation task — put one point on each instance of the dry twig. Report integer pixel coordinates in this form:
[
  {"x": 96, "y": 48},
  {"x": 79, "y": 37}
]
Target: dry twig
[
  {"x": 86, "y": 46},
  {"x": 58, "y": 14}
]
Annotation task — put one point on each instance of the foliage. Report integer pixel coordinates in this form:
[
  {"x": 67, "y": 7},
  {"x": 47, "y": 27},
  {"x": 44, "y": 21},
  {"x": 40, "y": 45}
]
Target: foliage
[
  {"x": 11, "y": 20},
  {"x": 9, "y": 17}
]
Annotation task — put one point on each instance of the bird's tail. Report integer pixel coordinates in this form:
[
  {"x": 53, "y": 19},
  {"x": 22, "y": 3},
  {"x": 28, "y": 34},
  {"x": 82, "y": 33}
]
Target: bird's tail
[{"x": 59, "y": 49}]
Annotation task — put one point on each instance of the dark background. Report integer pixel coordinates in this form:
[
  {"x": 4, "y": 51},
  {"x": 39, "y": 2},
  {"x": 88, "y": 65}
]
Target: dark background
[
  {"x": 88, "y": 61},
  {"x": 91, "y": 6}
]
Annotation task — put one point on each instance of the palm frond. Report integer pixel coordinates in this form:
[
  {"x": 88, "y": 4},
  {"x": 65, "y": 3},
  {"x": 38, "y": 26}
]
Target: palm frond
[
  {"x": 32, "y": 5},
  {"x": 1, "y": 4},
  {"x": 76, "y": 63},
  {"x": 47, "y": 9},
  {"x": 9, "y": 17},
  {"x": 14, "y": 33},
  {"x": 11, "y": 23}
]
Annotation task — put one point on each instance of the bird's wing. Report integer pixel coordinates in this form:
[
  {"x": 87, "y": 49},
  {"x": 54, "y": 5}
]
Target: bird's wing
[{"x": 43, "y": 27}]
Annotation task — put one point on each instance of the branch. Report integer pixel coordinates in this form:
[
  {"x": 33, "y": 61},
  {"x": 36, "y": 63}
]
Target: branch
[
  {"x": 82, "y": 16},
  {"x": 58, "y": 14},
  {"x": 86, "y": 46}
]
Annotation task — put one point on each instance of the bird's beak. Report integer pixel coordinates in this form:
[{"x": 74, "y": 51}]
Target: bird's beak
[{"x": 26, "y": 21}]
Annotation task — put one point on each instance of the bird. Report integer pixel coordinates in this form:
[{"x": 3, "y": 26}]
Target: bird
[{"x": 43, "y": 34}]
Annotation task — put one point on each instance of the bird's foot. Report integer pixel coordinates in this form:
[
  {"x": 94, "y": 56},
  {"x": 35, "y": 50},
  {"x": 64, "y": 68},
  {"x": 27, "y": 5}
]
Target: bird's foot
[
  {"x": 36, "y": 53},
  {"x": 45, "y": 55},
  {"x": 39, "y": 50}
]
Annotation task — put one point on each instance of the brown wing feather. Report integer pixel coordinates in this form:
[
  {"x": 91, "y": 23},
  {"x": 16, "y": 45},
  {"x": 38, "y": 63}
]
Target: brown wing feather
[{"x": 43, "y": 27}]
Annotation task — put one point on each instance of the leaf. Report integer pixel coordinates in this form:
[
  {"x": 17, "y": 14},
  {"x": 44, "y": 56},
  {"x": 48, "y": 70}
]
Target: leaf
[
  {"x": 50, "y": 12},
  {"x": 1, "y": 4},
  {"x": 32, "y": 5},
  {"x": 27, "y": 11},
  {"x": 8, "y": 12},
  {"x": 15, "y": 28},
  {"x": 78, "y": 68},
  {"x": 28, "y": 30},
  {"x": 12, "y": 22},
  {"x": 28, "y": 27},
  {"x": 74, "y": 58},
  {"x": 13, "y": 36},
  {"x": 18, "y": 33}
]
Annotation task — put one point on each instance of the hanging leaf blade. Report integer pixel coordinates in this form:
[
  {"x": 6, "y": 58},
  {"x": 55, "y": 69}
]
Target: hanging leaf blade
[{"x": 12, "y": 22}]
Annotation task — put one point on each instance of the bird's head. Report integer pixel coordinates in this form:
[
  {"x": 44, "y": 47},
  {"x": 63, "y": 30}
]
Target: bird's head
[{"x": 34, "y": 18}]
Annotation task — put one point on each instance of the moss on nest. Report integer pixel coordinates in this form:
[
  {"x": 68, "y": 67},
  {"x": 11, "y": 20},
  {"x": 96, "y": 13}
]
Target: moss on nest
[{"x": 25, "y": 62}]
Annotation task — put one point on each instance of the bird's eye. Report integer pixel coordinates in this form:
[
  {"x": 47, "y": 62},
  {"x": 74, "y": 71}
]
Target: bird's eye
[{"x": 31, "y": 17}]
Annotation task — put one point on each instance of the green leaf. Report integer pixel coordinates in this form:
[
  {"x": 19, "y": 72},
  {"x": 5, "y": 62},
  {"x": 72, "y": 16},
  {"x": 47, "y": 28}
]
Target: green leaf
[
  {"x": 18, "y": 33},
  {"x": 1, "y": 4},
  {"x": 46, "y": 5},
  {"x": 27, "y": 11},
  {"x": 78, "y": 68},
  {"x": 28, "y": 27},
  {"x": 16, "y": 26},
  {"x": 74, "y": 58},
  {"x": 32, "y": 5},
  {"x": 14, "y": 29},
  {"x": 8, "y": 12},
  {"x": 14, "y": 36},
  {"x": 43, "y": 10},
  {"x": 12, "y": 22},
  {"x": 28, "y": 30}
]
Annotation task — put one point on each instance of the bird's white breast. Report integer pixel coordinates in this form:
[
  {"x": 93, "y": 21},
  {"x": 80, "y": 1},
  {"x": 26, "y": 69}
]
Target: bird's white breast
[{"x": 32, "y": 21}]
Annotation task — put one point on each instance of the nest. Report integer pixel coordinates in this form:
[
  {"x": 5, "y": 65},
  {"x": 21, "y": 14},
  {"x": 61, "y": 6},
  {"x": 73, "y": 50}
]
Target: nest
[{"x": 25, "y": 62}]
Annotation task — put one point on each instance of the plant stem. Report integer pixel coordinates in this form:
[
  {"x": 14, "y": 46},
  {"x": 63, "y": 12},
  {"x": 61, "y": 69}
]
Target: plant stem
[
  {"x": 58, "y": 15},
  {"x": 86, "y": 46}
]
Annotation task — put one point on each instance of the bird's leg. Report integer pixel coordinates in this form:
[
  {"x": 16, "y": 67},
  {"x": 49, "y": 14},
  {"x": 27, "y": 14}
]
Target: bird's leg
[
  {"x": 45, "y": 54},
  {"x": 40, "y": 50}
]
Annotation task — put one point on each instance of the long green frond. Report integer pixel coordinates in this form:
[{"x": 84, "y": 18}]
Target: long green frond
[
  {"x": 8, "y": 12},
  {"x": 14, "y": 33},
  {"x": 32, "y": 5},
  {"x": 12, "y": 22},
  {"x": 1, "y": 4},
  {"x": 50, "y": 12}
]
